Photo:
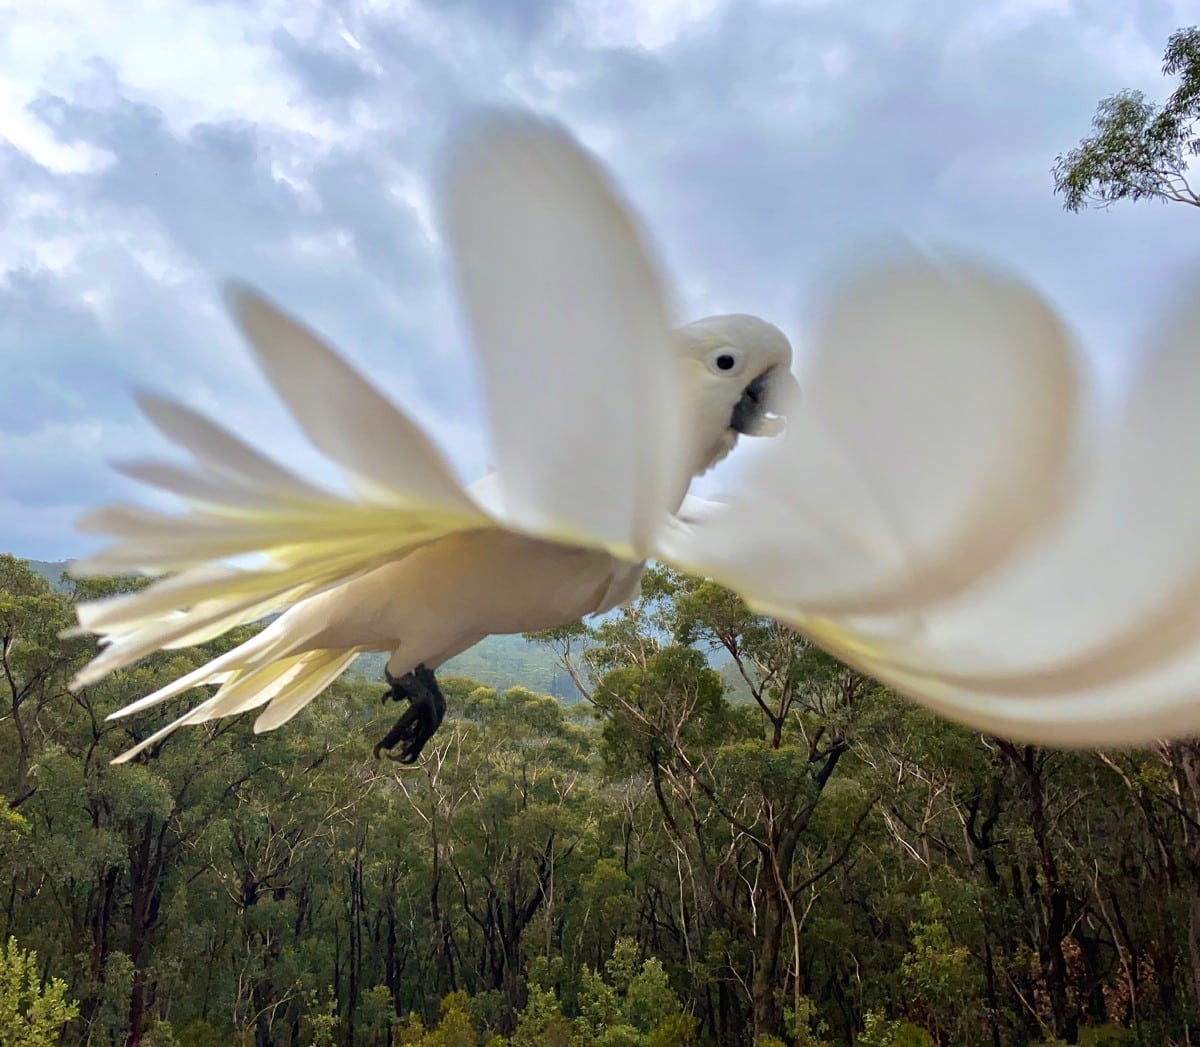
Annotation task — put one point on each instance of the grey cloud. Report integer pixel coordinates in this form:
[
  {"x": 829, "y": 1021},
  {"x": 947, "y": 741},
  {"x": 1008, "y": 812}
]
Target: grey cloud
[
  {"x": 756, "y": 165},
  {"x": 525, "y": 20},
  {"x": 213, "y": 201},
  {"x": 325, "y": 73},
  {"x": 758, "y": 145},
  {"x": 55, "y": 355},
  {"x": 212, "y": 192}
]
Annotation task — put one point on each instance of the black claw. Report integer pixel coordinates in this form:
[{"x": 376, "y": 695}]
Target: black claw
[
  {"x": 397, "y": 690},
  {"x": 422, "y": 718}
]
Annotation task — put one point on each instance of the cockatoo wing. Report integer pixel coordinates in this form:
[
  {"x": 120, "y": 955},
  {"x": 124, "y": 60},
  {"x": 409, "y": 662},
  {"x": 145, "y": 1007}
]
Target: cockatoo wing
[
  {"x": 241, "y": 504},
  {"x": 1092, "y": 635},
  {"x": 577, "y": 356},
  {"x": 569, "y": 317},
  {"x": 344, "y": 415},
  {"x": 1120, "y": 575}
]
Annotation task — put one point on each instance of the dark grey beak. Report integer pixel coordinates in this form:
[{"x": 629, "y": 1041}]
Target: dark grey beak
[{"x": 764, "y": 403}]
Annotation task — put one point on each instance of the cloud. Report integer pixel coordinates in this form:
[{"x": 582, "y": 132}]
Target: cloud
[{"x": 294, "y": 146}]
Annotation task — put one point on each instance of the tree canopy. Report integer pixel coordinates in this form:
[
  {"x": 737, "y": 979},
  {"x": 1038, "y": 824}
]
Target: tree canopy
[
  {"x": 803, "y": 859},
  {"x": 1140, "y": 150}
]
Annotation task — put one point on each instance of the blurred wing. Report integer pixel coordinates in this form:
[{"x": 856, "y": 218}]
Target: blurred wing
[
  {"x": 694, "y": 510},
  {"x": 569, "y": 320},
  {"x": 1092, "y": 637},
  {"x": 241, "y": 504},
  {"x": 380, "y": 449},
  {"x": 940, "y": 519}
]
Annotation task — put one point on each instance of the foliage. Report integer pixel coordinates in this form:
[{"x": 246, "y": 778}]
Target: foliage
[
  {"x": 940, "y": 975},
  {"x": 809, "y": 862},
  {"x": 1140, "y": 150},
  {"x": 32, "y": 1014},
  {"x": 878, "y": 1031},
  {"x": 629, "y": 1004}
]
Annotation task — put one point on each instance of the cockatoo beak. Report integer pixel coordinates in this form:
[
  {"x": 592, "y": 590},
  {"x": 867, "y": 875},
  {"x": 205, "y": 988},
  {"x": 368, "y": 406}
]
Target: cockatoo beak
[{"x": 765, "y": 404}]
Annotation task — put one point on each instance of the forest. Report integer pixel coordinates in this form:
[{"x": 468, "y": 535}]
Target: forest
[{"x": 806, "y": 859}]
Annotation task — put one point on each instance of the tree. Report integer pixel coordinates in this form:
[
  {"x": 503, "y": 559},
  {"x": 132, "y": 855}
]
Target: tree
[
  {"x": 1140, "y": 150},
  {"x": 35, "y": 664},
  {"x": 31, "y": 1013},
  {"x": 735, "y": 836},
  {"x": 738, "y": 790}
]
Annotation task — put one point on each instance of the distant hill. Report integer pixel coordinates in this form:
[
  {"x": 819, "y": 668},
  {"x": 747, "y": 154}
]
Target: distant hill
[
  {"x": 508, "y": 661},
  {"x": 498, "y": 661},
  {"x": 52, "y": 571},
  {"x": 739, "y": 691}
]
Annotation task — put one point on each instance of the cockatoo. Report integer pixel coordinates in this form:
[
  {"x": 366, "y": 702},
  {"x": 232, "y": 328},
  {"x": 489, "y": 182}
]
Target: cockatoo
[
  {"x": 602, "y": 416},
  {"x": 947, "y": 512}
]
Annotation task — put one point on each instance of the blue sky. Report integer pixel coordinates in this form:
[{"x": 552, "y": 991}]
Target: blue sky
[{"x": 149, "y": 151}]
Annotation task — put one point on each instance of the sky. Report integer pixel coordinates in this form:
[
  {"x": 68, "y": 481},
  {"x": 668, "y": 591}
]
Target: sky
[{"x": 150, "y": 151}]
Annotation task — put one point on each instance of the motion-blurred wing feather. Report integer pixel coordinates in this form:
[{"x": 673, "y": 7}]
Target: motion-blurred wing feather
[
  {"x": 343, "y": 414},
  {"x": 568, "y": 315},
  {"x": 300, "y": 540},
  {"x": 1080, "y": 626}
]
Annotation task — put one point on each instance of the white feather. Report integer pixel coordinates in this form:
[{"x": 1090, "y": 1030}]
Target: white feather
[
  {"x": 570, "y": 321},
  {"x": 220, "y": 452},
  {"x": 574, "y": 342},
  {"x": 343, "y": 414}
]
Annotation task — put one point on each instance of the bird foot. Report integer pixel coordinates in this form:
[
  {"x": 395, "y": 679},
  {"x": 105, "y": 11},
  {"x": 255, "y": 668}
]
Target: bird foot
[{"x": 422, "y": 718}]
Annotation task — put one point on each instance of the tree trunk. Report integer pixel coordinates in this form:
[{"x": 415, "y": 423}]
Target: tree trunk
[{"x": 765, "y": 990}]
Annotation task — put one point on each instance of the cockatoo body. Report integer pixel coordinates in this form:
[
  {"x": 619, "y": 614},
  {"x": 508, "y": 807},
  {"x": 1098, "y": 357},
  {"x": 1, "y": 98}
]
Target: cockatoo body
[{"x": 435, "y": 600}]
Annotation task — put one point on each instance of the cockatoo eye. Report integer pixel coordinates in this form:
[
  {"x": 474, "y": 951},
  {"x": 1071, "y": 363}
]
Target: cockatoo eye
[{"x": 725, "y": 361}]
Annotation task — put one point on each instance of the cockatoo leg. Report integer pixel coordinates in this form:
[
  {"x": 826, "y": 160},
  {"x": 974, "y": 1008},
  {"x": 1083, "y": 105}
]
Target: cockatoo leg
[{"x": 426, "y": 710}]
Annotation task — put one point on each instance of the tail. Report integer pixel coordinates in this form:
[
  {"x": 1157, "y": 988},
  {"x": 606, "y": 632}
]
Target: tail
[
  {"x": 284, "y": 684},
  {"x": 241, "y": 504}
]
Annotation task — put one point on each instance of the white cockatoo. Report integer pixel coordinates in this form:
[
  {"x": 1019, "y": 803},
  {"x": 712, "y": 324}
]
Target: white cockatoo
[
  {"x": 947, "y": 511},
  {"x": 601, "y": 416}
]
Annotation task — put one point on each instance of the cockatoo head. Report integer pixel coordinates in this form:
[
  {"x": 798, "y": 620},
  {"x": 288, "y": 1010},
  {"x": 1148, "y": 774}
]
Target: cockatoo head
[{"x": 738, "y": 373}]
